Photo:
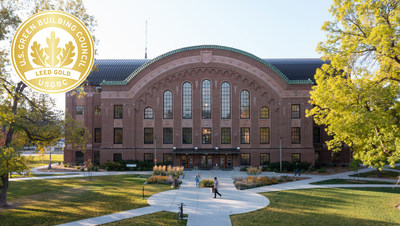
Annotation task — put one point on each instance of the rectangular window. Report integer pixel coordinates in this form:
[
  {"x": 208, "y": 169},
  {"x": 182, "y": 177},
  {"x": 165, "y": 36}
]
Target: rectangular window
[
  {"x": 245, "y": 159},
  {"x": 317, "y": 134},
  {"x": 97, "y": 135},
  {"x": 118, "y": 111},
  {"x": 296, "y": 157},
  {"x": 186, "y": 135},
  {"x": 148, "y": 157},
  {"x": 97, "y": 110},
  {"x": 148, "y": 136},
  {"x": 96, "y": 158},
  {"x": 264, "y": 159},
  {"x": 167, "y": 158},
  {"x": 245, "y": 135},
  {"x": 295, "y": 110},
  {"x": 117, "y": 135},
  {"x": 117, "y": 157},
  {"x": 295, "y": 135},
  {"x": 167, "y": 136},
  {"x": 264, "y": 135},
  {"x": 225, "y": 135},
  {"x": 79, "y": 110},
  {"x": 206, "y": 136}
]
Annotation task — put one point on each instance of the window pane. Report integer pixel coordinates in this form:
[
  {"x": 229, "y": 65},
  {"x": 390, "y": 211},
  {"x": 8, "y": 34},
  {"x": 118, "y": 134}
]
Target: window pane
[
  {"x": 117, "y": 157},
  {"x": 117, "y": 135},
  {"x": 295, "y": 135},
  {"x": 226, "y": 100},
  {"x": 264, "y": 113},
  {"x": 295, "y": 110},
  {"x": 264, "y": 159},
  {"x": 245, "y": 104},
  {"x": 97, "y": 110},
  {"x": 148, "y": 135},
  {"x": 187, "y": 101},
  {"x": 149, "y": 157},
  {"x": 206, "y": 99},
  {"x": 118, "y": 111},
  {"x": 167, "y": 136},
  {"x": 225, "y": 135},
  {"x": 245, "y": 159},
  {"x": 167, "y": 158},
  {"x": 264, "y": 135},
  {"x": 206, "y": 136},
  {"x": 97, "y": 135},
  {"x": 79, "y": 110},
  {"x": 168, "y": 105},
  {"x": 296, "y": 157},
  {"x": 245, "y": 135},
  {"x": 148, "y": 113},
  {"x": 186, "y": 135},
  {"x": 317, "y": 134}
]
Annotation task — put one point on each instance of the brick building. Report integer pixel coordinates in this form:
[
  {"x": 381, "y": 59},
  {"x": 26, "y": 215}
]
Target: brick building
[{"x": 201, "y": 106}]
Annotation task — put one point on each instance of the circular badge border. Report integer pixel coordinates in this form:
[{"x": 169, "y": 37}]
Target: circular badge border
[{"x": 86, "y": 73}]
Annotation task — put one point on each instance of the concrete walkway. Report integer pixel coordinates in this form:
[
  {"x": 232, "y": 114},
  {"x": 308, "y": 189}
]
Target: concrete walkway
[{"x": 203, "y": 209}]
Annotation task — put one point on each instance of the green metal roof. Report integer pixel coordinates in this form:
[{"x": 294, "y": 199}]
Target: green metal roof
[{"x": 143, "y": 66}]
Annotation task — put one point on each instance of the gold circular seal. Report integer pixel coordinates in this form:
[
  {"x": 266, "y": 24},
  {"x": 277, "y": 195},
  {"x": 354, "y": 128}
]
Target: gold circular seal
[{"x": 52, "y": 52}]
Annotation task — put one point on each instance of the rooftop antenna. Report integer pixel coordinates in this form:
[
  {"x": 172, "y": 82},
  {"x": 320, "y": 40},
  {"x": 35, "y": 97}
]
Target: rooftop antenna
[{"x": 145, "y": 48}]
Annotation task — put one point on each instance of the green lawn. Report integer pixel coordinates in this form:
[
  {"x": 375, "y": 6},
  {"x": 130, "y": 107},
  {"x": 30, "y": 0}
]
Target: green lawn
[
  {"x": 39, "y": 160},
  {"x": 50, "y": 202},
  {"x": 39, "y": 175},
  {"x": 348, "y": 181},
  {"x": 158, "y": 219},
  {"x": 384, "y": 173},
  {"x": 327, "y": 206}
]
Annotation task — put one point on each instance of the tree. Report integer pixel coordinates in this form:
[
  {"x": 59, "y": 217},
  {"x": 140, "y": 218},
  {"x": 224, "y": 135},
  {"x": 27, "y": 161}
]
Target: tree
[
  {"x": 76, "y": 135},
  {"x": 26, "y": 115},
  {"x": 357, "y": 95}
]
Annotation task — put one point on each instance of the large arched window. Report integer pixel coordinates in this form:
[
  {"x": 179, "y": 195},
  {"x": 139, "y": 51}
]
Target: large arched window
[
  {"x": 264, "y": 113},
  {"x": 187, "y": 100},
  {"x": 206, "y": 99},
  {"x": 244, "y": 104},
  {"x": 148, "y": 113},
  {"x": 167, "y": 105},
  {"x": 225, "y": 100}
]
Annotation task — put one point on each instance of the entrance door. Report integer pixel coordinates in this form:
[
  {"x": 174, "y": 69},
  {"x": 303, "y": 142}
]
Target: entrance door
[
  {"x": 222, "y": 161},
  {"x": 183, "y": 160},
  {"x": 229, "y": 161},
  {"x": 190, "y": 161},
  {"x": 203, "y": 162},
  {"x": 209, "y": 161}
]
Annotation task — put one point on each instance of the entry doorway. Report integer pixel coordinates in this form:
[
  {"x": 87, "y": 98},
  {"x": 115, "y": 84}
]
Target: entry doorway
[{"x": 222, "y": 161}]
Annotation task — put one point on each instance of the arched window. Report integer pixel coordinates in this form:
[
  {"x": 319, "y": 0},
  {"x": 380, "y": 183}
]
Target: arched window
[
  {"x": 187, "y": 100},
  {"x": 206, "y": 99},
  {"x": 148, "y": 113},
  {"x": 244, "y": 104},
  {"x": 225, "y": 100},
  {"x": 264, "y": 113},
  {"x": 168, "y": 105}
]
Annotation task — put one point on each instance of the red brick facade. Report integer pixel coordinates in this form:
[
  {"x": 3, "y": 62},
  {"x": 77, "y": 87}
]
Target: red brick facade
[{"x": 146, "y": 89}]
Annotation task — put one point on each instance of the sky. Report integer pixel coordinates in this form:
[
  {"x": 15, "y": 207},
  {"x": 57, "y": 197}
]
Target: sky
[{"x": 265, "y": 28}]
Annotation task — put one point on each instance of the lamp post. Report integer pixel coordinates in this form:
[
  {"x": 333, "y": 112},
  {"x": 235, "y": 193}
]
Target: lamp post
[
  {"x": 155, "y": 150},
  {"x": 280, "y": 154}
]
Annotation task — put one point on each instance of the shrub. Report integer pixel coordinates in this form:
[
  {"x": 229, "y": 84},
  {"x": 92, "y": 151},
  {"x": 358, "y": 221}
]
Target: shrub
[
  {"x": 322, "y": 170},
  {"x": 253, "y": 170},
  {"x": 207, "y": 183},
  {"x": 244, "y": 168},
  {"x": 160, "y": 180}
]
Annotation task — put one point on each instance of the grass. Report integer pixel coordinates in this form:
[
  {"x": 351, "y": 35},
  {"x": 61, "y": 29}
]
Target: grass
[
  {"x": 42, "y": 160},
  {"x": 157, "y": 219},
  {"x": 51, "y": 202},
  {"x": 348, "y": 181},
  {"x": 327, "y": 206},
  {"x": 384, "y": 174},
  {"x": 39, "y": 175}
]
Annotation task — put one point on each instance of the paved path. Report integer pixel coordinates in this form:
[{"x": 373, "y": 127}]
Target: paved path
[{"x": 203, "y": 209}]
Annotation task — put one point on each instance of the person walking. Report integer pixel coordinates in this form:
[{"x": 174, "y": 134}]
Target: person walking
[
  {"x": 197, "y": 179},
  {"x": 297, "y": 169},
  {"x": 216, "y": 188}
]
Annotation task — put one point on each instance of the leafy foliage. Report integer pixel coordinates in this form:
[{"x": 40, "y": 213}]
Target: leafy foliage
[{"x": 357, "y": 94}]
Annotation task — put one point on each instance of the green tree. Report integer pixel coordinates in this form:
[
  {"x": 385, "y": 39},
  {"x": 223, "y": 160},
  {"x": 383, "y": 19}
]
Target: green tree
[
  {"x": 357, "y": 95},
  {"x": 26, "y": 115},
  {"x": 76, "y": 135}
]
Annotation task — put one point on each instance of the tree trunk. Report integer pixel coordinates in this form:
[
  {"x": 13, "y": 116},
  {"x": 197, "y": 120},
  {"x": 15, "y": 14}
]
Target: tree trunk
[{"x": 4, "y": 188}]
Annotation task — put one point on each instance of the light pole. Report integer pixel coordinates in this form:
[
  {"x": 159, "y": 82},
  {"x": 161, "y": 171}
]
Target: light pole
[
  {"x": 280, "y": 154},
  {"x": 155, "y": 151}
]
